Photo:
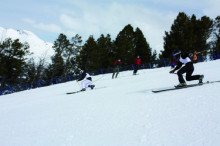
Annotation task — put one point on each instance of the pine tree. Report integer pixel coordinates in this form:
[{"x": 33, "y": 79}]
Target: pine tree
[
  {"x": 64, "y": 60},
  {"x": 12, "y": 58},
  {"x": 71, "y": 52},
  {"x": 35, "y": 71},
  {"x": 58, "y": 66},
  {"x": 215, "y": 43},
  {"x": 205, "y": 28},
  {"x": 105, "y": 51},
  {"x": 141, "y": 47},
  {"x": 88, "y": 55},
  {"x": 175, "y": 39},
  {"x": 187, "y": 35},
  {"x": 124, "y": 44}
]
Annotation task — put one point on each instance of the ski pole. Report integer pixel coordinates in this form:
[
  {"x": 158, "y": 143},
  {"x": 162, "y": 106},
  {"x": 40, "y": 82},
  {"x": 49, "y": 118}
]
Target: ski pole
[
  {"x": 78, "y": 84},
  {"x": 98, "y": 79}
]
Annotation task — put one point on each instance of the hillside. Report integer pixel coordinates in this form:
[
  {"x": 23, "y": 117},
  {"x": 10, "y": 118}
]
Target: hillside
[
  {"x": 118, "y": 112},
  {"x": 38, "y": 47}
]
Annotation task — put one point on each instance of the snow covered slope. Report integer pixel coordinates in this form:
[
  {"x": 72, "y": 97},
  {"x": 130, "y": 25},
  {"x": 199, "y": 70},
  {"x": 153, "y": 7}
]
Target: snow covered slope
[
  {"x": 119, "y": 112},
  {"x": 37, "y": 46}
]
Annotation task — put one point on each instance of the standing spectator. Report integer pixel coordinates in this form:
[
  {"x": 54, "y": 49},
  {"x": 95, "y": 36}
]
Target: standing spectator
[
  {"x": 173, "y": 63},
  {"x": 137, "y": 63},
  {"x": 117, "y": 65},
  {"x": 195, "y": 57}
]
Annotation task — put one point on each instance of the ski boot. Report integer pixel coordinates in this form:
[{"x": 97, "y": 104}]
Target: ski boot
[
  {"x": 181, "y": 85},
  {"x": 91, "y": 86},
  {"x": 201, "y": 79},
  {"x": 83, "y": 89}
]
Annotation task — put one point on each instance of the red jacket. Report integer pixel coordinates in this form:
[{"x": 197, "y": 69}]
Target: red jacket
[
  {"x": 117, "y": 63},
  {"x": 137, "y": 61}
]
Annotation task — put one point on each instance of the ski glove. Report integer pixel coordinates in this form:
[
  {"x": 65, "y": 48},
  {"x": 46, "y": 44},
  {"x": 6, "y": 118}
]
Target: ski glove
[{"x": 172, "y": 71}]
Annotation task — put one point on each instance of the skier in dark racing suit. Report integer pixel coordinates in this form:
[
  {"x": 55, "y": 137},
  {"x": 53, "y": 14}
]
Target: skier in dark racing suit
[{"x": 188, "y": 69}]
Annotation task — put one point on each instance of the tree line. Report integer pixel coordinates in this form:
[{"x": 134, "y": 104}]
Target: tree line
[{"x": 187, "y": 34}]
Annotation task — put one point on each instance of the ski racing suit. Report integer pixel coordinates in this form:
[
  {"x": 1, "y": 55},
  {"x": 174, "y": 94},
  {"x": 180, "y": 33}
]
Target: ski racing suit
[
  {"x": 188, "y": 69},
  {"x": 86, "y": 80}
]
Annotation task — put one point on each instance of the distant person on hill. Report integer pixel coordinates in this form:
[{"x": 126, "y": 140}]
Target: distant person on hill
[
  {"x": 116, "y": 70},
  {"x": 86, "y": 81},
  {"x": 137, "y": 63},
  {"x": 195, "y": 57},
  {"x": 188, "y": 69},
  {"x": 173, "y": 63}
]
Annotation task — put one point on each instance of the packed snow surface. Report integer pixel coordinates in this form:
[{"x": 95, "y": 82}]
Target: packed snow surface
[{"x": 118, "y": 112}]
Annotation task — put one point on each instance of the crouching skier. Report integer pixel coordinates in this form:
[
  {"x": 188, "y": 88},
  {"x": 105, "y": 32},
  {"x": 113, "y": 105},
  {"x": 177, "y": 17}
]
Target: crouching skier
[
  {"x": 86, "y": 81},
  {"x": 188, "y": 69}
]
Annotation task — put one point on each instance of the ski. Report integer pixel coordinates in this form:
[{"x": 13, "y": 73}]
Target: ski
[
  {"x": 74, "y": 92},
  {"x": 176, "y": 88},
  {"x": 85, "y": 91}
]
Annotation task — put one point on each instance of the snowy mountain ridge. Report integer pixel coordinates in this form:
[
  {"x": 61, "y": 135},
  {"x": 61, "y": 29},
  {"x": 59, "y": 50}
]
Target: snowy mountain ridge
[{"x": 38, "y": 47}]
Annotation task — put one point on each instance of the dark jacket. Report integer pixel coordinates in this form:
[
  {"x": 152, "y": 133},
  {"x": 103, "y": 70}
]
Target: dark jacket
[
  {"x": 183, "y": 56},
  {"x": 83, "y": 76}
]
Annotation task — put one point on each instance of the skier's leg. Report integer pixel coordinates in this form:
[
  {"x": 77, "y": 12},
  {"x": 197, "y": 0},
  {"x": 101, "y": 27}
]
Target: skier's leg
[
  {"x": 189, "y": 76},
  {"x": 135, "y": 69},
  {"x": 117, "y": 70},
  {"x": 83, "y": 84},
  {"x": 113, "y": 73},
  {"x": 87, "y": 83},
  {"x": 190, "y": 69},
  {"x": 180, "y": 74}
]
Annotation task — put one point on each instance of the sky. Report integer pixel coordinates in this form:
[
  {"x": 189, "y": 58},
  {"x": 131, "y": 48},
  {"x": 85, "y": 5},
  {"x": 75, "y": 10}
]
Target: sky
[{"x": 48, "y": 18}]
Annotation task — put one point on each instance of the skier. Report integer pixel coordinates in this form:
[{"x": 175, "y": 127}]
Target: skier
[
  {"x": 137, "y": 63},
  {"x": 86, "y": 81},
  {"x": 188, "y": 69},
  {"x": 117, "y": 65}
]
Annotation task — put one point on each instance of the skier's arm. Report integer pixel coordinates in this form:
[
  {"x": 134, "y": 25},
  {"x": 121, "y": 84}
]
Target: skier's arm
[
  {"x": 177, "y": 67},
  {"x": 82, "y": 77}
]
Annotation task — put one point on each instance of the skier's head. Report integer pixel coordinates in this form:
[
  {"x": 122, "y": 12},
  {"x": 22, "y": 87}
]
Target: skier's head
[
  {"x": 176, "y": 53},
  {"x": 119, "y": 60},
  {"x": 138, "y": 56}
]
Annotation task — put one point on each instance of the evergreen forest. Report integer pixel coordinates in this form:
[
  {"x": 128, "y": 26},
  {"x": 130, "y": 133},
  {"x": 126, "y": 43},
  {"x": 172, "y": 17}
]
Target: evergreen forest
[{"x": 72, "y": 55}]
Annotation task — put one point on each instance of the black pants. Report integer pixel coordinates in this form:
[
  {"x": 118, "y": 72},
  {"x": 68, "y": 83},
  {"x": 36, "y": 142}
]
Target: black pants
[
  {"x": 188, "y": 69},
  {"x": 136, "y": 67},
  {"x": 116, "y": 70}
]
